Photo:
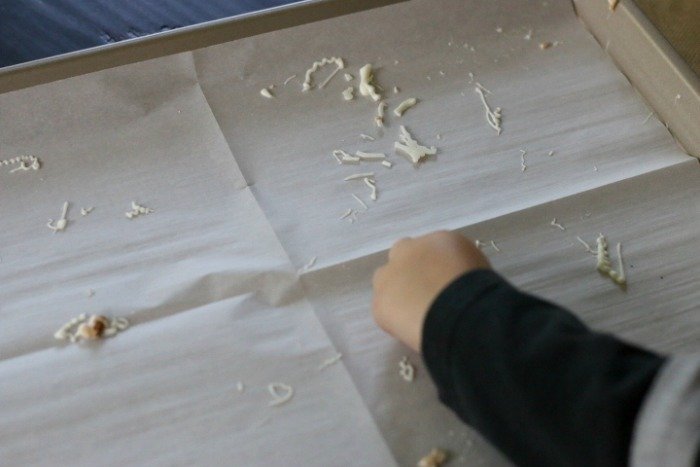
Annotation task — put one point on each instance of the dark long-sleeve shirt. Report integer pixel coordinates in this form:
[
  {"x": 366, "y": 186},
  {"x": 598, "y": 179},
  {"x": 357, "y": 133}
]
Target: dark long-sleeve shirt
[{"x": 532, "y": 378}]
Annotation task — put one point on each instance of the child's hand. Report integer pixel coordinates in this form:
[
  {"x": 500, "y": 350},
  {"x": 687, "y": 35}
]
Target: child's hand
[{"x": 417, "y": 271}]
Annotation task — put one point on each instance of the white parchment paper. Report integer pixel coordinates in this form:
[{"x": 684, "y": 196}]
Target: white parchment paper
[{"x": 245, "y": 193}]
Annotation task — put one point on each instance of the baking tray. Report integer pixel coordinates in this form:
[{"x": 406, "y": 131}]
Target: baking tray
[
  {"x": 180, "y": 40},
  {"x": 650, "y": 63}
]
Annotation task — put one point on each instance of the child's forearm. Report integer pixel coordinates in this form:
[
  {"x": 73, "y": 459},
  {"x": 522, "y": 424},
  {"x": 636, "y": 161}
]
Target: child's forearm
[{"x": 531, "y": 377}]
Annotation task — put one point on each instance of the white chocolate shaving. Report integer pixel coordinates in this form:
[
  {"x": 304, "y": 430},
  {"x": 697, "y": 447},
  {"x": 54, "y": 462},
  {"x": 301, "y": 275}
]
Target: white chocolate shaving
[
  {"x": 370, "y": 156},
  {"x": 286, "y": 82},
  {"x": 604, "y": 265},
  {"x": 523, "y": 164},
  {"x": 556, "y": 224},
  {"x": 379, "y": 119},
  {"x": 308, "y": 81},
  {"x": 265, "y": 92},
  {"x": 347, "y": 214},
  {"x": 70, "y": 330},
  {"x": 138, "y": 210},
  {"x": 349, "y": 77},
  {"x": 367, "y": 89},
  {"x": 396, "y": 90},
  {"x": 586, "y": 246},
  {"x": 344, "y": 158},
  {"x": 281, "y": 393},
  {"x": 349, "y": 94},
  {"x": 330, "y": 361},
  {"x": 367, "y": 137},
  {"x": 406, "y": 370},
  {"x": 410, "y": 147},
  {"x": 86, "y": 211},
  {"x": 362, "y": 203},
  {"x": 360, "y": 176},
  {"x": 26, "y": 163},
  {"x": 550, "y": 153},
  {"x": 61, "y": 224},
  {"x": 495, "y": 246},
  {"x": 404, "y": 106},
  {"x": 387, "y": 164},
  {"x": 493, "y": 117},
  {"x": 372, "y": 186}
]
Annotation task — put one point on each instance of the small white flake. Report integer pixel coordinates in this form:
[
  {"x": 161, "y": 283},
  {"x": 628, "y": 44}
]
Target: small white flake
[
  {"x": 493, "y": 117},
  {"x": 406, "y": 370},
  {"x": 360, "y": 176},
  {"x": 286, "y": 82},
  {"x": 349, "y": 94},
  {"x": 85, "y": 211},
  {"x": 265, "y": 92},
  {"x": 309, "y": 265},
  {"x": 556, "y": 224},
  {"x": 387, "y": 164},
  {"x": 523, "y": 163},
  {"x": 550, "y": 153},
  {"x": 367, "y": 88},
  {"x": 404, "y": 106},
  {"x": 349, "y": 77},
  {"x": 330, "y": 361},
  {"x": 61, "y": 224},
  {"x": 367, "y": 137},
  {"x": 281, "y": 393},
  {"x": 362, "y": 203},
  {"x": 138, "y": 210},
  {"x": 370, "y": 156},
  {"x": 240, "y": 387},
  {"x": 410, "y": 148}
]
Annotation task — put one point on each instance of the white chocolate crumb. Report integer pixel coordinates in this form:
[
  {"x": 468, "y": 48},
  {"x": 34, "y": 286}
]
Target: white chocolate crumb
[
  {"x": 438, "y": 136},
  {"x": 84, "y": 327},
  {"x": 347, "y": 214},
  {"x": 362, "y": 203},
  {"x": 286, "y": 82},
  {"x": 349, "y": 94},
  {"x": 595, "y": 168},
  {"x": 528, "y": 36},
  {"x": 61, "y": 224},
  {"x": 435, "y": 458},
  {"x": 523, "y": 163},
  {"x": 138, "y": 210},
  {"x": 396, "y": 90},
  {"x": 349, "y": 77},
  {"x": 367, "y": 89},
  {"x": 603, "y": 262},
  {"x": 379, "y": 119},
  {"x": 281, "y": 393},
  {"x": 545, "y": 45},
  {"x": 556, "y": 224},
  {"x": 387, "y": 164},
  {"x": 344, "y": 158},
  {"x": 586, "y": 246},
  {"x": 26, "y": 163},
  {"x": 372, "y": 186},
  {"x": 410, "y": 148},
  {"x": 493, "y": 117},
  {"x": 330, "y": 361},
  {"x": 495, "y": 246},
  {"x": 308, "y": 81},
  {"x": 499, "y": 29},
  {"x": 85, "y": 211},
  {"x": 240, "y": 387},
  {"x": 360, "y": 176},
  {"x": 550, "y": 153},
  {"x": 404, "y": 106},
  {"x": 367, "y": 137},
  {"x": 406, "y": 370},
  {"x": 370, "y": 156},
  {"x": 265, "y": 92}
]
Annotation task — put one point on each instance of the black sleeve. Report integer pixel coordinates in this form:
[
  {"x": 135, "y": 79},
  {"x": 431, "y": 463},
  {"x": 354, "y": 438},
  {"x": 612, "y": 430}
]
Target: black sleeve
[{"x": 531, "y": 377}]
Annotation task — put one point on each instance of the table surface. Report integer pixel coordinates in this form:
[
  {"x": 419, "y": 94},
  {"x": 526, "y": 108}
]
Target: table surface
[{"x": 31, "y": 30}]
